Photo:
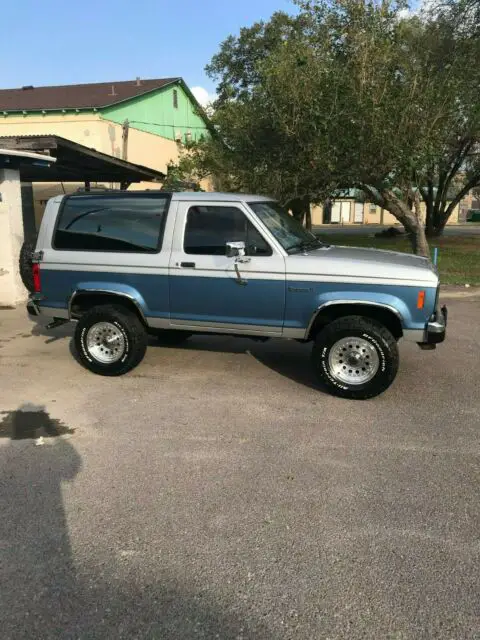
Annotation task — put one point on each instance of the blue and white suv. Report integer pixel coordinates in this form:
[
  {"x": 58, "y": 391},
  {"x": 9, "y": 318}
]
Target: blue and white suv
[{"x": 127, "y": 264}]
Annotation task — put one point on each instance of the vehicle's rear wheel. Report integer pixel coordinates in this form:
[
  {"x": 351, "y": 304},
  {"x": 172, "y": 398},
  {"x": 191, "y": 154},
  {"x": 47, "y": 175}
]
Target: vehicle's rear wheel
[
  {"x": 171, "y": 337},
  {"x": 110, "y": 340},
  {"x": 355, "y": 357}
]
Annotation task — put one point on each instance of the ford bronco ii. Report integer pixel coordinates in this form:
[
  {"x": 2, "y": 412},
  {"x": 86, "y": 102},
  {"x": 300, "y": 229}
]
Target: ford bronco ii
[{"x": 124, "y": 265}]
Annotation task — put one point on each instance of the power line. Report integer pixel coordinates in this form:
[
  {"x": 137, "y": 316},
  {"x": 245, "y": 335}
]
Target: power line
[{"x": 174, "y": 126}]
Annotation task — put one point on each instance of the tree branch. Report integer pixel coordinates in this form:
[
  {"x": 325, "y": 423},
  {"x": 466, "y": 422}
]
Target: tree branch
[{"x": 472, "y": 183}]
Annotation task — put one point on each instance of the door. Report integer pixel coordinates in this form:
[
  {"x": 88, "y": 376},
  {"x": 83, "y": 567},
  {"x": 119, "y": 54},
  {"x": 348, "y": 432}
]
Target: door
[
  {"x": 345, "y": 212},
  {"x": 206, "y": 291},
  {"x": 336, "y": 210},
  {"x": 358, "y": 215}
]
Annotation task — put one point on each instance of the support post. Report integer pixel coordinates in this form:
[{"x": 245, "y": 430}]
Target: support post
[{"x": 12, "y": 291}]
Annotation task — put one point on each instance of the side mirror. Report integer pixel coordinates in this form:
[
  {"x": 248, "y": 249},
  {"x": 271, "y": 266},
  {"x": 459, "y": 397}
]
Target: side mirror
[{"x": 235, "y": 249}]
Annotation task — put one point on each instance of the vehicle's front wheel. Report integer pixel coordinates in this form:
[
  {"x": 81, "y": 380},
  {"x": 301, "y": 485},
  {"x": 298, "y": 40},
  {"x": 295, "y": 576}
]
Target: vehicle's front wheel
[
  {"x": 110, "y": 340},
  {"x": 355, "y": 357}
]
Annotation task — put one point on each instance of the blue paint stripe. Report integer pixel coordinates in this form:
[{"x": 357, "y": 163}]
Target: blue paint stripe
[{"x": 273, "y": 303}]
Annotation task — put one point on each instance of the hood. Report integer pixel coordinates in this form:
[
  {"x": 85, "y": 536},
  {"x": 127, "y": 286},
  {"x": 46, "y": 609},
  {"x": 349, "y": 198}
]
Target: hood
[{"x": 351, "y": 264}]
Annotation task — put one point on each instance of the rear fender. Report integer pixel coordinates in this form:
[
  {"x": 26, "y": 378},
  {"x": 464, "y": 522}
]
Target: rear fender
[{"x": 110, "y": 288}]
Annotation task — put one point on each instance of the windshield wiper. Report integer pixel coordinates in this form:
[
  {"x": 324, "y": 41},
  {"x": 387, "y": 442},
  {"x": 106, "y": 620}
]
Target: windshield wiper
[{"x": 315, "y": 243}]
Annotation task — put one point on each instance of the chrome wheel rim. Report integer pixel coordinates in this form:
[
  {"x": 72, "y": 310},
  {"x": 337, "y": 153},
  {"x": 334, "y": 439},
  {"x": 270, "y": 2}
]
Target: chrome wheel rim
[
  {"x": 353, "y": 360},
  {"x": 105, "y": 342}
]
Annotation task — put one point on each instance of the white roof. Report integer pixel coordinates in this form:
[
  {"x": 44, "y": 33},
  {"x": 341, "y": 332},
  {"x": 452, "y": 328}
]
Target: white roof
[{"x": 218, "y": 197}]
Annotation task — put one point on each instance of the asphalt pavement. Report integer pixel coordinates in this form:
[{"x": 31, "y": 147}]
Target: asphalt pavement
[{"x": 216, "y": 492}]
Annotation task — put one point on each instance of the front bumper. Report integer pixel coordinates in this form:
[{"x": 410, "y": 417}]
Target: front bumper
[{"x": 436, "y": 328}]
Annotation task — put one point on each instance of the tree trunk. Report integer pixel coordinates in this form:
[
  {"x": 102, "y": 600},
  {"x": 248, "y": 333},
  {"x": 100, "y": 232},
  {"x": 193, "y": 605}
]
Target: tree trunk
[
  {"x": 430, "y": 220},
  {"x": 418, "y": 238},
  {"x": 419, "y": 242},
  {"x": 410, "y": 219},
  {"x": 308, "y": 216},
  {"x": 297, "y": 209},
  {"x": 435, "y": 231},
  {"x": 300, "y": 208},
  {"x": 435, "y": 224}
]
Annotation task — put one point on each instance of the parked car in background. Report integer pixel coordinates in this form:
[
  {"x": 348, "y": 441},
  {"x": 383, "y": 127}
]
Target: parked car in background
[
  {"x": 124, "y": 265},
  {"x": 473, "y": 215}
]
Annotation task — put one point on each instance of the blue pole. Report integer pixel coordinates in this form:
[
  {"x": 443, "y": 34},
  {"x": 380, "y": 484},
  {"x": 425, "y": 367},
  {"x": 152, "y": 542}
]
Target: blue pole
[{"x": 435, "y": 256}]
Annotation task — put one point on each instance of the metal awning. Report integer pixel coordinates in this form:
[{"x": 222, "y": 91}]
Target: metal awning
[{"x": 68, "y": 161}]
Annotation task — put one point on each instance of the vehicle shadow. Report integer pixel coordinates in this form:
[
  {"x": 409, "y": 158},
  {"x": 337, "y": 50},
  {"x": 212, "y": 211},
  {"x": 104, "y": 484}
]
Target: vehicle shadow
[
  {"x": 52, "y": 335},
  {"x": 289, "y": 358},
  {"x": 44, "y": 593}
]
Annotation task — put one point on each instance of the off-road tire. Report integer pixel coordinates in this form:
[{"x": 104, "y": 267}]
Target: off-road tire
[
  {"x": 367, "y": 329},
  {"x": 25, "y": 264},
  {"x": 128, "y": 324}
]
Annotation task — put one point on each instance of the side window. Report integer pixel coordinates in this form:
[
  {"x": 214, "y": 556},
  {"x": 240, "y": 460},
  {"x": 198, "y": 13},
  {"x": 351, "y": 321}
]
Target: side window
[
  {"x": 209, "y": 228},
  {"x": 132, "y": 224}
]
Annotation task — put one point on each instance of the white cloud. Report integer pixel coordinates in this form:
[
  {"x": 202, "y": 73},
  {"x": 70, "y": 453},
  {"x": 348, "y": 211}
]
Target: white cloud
[
  {"x": 203, "y": 97},
  {"x": 420, "y": 8}
]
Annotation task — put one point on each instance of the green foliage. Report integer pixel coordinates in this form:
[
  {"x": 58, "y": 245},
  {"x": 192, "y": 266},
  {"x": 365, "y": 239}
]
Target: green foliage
[{"x": 352, "y": 94}]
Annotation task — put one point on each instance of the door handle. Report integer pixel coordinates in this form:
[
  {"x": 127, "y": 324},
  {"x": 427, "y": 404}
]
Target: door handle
[{"x": 188, "y": 265}]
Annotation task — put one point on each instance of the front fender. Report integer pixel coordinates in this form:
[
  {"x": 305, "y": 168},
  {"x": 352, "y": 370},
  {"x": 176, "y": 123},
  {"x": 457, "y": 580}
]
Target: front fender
[{"x": 402, "y": 301}]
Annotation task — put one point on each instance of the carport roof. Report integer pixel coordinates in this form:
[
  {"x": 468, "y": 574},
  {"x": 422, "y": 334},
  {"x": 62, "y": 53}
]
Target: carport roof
[{"x": 74, "y": 162}]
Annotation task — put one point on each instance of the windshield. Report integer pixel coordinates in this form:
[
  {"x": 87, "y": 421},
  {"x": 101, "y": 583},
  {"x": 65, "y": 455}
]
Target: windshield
[{"x": 286, "y": 229}]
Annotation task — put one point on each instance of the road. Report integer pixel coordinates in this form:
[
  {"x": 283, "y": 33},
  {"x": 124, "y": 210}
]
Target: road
[
  {"x": 215, "y": 492},
  {"x": 370, "y": 229}
]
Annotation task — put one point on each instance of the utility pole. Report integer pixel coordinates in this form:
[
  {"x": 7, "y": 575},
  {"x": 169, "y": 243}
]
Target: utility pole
[{"x": 125, "y": 130}]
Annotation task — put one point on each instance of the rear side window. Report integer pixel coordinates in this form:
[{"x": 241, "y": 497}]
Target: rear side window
[{"x": 127, "y": 223}]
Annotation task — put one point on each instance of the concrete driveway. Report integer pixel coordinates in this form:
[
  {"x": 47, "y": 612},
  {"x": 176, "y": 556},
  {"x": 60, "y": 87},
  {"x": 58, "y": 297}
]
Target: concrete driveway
[{"x": 216, "y": 493}]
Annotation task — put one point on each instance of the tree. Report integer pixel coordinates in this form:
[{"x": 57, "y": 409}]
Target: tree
[
  {"x": 257, "y": 142},
  {"x": 350, "y": 94},
  {"x": 453, "y": 33}
]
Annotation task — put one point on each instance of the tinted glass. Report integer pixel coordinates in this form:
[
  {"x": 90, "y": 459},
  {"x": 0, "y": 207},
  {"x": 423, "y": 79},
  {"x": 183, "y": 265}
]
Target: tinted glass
[
  {"x": 132, "y": 223},
  {"x": 209, "y": 229}
]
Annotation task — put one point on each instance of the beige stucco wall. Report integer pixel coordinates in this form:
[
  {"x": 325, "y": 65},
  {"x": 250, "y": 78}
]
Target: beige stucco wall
[
  {"x": 12, "y": 290},
  {"x": 388, "y": 219},
  {"x": 373, "y": 214},
  {"x": 317, "y": 215},
  {"x": 94, "y": 132}
]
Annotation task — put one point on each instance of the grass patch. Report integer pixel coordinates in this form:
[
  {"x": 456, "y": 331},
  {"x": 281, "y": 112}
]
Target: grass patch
[{"x": 458, "y": 256}]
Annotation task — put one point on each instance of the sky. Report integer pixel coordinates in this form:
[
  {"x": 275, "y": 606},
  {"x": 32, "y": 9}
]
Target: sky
[{"x": 47, "y": 42}]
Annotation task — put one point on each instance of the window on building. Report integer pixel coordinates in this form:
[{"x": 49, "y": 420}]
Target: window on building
[
  {"x": 175, "y": 99},
  {"x": 373, "y": 208},
  {"x": 124, "y": 223},
  {"x": 209, "y": 228}
]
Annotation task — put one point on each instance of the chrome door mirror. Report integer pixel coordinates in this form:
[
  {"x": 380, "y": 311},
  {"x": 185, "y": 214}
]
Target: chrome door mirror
[{"x": 235, "y": 249}]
